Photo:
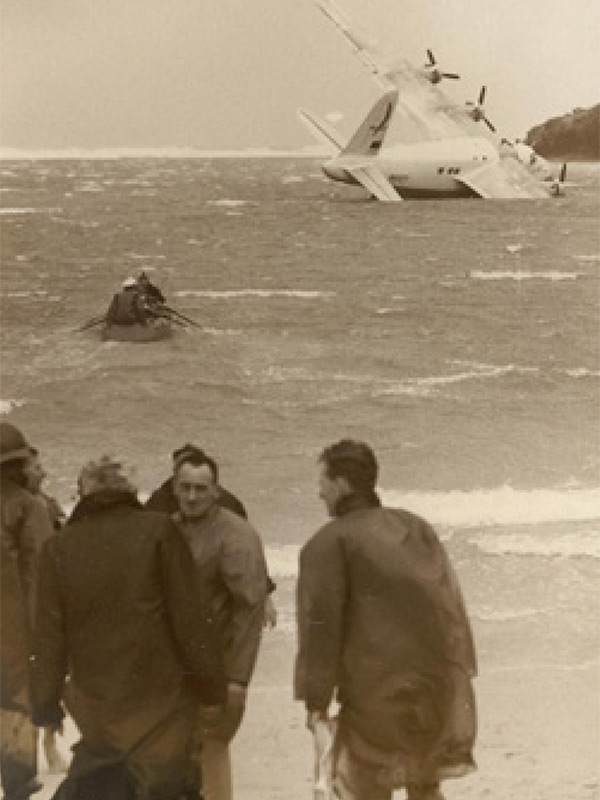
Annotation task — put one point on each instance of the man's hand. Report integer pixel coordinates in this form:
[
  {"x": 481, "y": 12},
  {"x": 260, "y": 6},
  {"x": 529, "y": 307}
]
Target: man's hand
[
  {"x": 312, "y": 717},
  {"x": 222, "y": 722}
]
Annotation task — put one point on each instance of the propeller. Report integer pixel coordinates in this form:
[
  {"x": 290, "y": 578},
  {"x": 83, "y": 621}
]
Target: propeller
[
  {"x": 433, "y": 74},
  {"x": 477, "y": 110}
]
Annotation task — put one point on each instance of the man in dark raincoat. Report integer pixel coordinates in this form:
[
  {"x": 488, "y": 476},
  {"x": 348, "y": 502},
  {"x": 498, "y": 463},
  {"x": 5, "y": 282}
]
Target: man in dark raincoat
[
  {"x": 381, "y": 621},
  {"x": 121, "y": 613},
  {"x": 127, "y": 307},
  {"x": 25, "y": 527}
]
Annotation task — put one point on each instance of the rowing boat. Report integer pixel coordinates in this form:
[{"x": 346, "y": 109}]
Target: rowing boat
[{"x": 154, "y": 331}]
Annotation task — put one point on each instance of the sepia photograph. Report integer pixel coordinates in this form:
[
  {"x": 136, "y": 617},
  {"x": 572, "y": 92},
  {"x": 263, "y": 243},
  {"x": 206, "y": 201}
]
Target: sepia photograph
[{"x": 300, "y": 400}]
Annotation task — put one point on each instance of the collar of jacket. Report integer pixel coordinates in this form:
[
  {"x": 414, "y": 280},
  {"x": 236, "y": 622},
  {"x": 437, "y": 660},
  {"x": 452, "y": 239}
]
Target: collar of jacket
[
  {"x": 95, "y": 503},
  {"x": 356, "y": 501},
  {"x": 208, "y": 516}
]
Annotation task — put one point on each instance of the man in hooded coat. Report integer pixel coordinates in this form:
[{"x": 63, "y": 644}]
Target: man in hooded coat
[
  {"x": 25, "y": 527},
  {"x": 121, "y": 614},
  {"x": 382, "y": 626}
]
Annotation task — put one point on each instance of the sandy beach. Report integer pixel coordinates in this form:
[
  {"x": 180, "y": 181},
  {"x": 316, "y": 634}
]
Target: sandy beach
[{"x": 538, "y": 710}]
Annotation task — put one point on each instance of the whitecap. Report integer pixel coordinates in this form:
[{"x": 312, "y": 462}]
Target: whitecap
[
  {"x": 145, "y": 256},
  {"x": 227, "y": 203},
  {"x": 222, "y": 331},
  {"x": 231, "y": 293},
  {"x": 283, "y": 560},
  {"x": 500, "y": 506},
  {"x": 292, "y": 179},
  {"x": 569, "y": 544},
  {"x": 20, "y": 210},
  {"x": 523, "y": 275},
  {"x": 6, "y": 406},
  {"x": 424, "y": 385},
  {"x": 593, "y": 257},
  {"x": 514, "y": 248},
  {"x": 581, "y": 372}
]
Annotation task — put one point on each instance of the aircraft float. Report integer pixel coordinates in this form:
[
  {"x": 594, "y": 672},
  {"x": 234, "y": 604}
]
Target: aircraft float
[{"x": 459, "y": 153}]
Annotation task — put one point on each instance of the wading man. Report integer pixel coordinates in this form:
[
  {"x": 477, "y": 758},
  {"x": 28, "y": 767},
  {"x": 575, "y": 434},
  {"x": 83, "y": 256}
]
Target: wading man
[
  {"x": 231, "y": 566},
  {"x": 382, "y": 627}
]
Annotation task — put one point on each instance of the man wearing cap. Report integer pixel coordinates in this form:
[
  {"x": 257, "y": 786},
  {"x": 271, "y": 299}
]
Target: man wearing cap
[
  {"x": 126, "y": 307},
  {"x": 121, "y": 613},
  {"x": 25, "y": 527},
  {"x": 231, "y": 565},
  {"x": 382, "y": 625}
]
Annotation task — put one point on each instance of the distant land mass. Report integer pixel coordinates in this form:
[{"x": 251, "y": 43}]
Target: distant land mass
[{"x": 574, "y": 136}]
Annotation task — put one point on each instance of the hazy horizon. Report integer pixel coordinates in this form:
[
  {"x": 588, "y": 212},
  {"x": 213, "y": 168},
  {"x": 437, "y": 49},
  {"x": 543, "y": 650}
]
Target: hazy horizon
[{"x": 80, "y": 75}]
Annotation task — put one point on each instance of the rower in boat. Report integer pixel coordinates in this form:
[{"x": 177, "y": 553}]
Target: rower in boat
[
  {"x": 127, "y": 306},
  {"x": 131, "y": 317}
]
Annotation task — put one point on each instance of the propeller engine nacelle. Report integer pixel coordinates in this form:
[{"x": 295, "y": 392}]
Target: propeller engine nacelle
[
  {"x": 435, "y": 75},
  {"x": 477, "y": 110}
]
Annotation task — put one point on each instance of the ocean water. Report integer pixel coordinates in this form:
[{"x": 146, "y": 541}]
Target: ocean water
[{"x": 459, "y": 338}]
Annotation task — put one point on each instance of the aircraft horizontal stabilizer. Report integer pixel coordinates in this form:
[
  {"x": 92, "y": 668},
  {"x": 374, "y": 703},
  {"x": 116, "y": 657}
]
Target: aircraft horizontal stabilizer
[
  {"x": 374, "y": 182},
  {"x": 506, "y": 179},
  {"x": 321, "y": 131}
]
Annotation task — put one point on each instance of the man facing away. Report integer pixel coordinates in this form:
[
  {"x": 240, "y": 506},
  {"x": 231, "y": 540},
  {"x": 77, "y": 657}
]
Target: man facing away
[
  {"x": 231, "y": 566},
  {"x": 151, "y": 294},
  {"x": 382, "y": 624},
  {"x": 126, "y": 307},
  {"x": 124, "y": 637}
]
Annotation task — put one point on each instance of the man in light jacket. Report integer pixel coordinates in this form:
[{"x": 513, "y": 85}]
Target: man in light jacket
[
  {"x": 383, "y": 629},
  {"x": 231, "y": 566}
]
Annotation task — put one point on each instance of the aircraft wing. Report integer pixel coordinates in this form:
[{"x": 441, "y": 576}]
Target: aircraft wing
[
  {"x": 506, "y": 179},
  {"x": 428, "y": 106},
  {"x": 374, "y": 182},
  {"x": 431, "y": 109}
]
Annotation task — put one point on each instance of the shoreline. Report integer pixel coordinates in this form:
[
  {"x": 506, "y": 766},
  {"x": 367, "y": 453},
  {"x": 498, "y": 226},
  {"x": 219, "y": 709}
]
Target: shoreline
[{"x": 537, "y": 692}]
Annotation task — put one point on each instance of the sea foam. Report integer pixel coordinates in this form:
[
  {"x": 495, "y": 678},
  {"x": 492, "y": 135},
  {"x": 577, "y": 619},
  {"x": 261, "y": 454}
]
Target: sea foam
[
  {"x": 485, "y": 509},
  {"x": 499, "y": 506},
  {"x": 305, "y": 295}
]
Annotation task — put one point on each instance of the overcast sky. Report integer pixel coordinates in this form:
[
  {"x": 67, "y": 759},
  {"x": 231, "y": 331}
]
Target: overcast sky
[{"x": 230, "y": 74}]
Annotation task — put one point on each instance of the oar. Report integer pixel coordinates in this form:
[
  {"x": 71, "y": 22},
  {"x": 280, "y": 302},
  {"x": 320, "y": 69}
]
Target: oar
[
  {"x": 94, "y": 321},
  {"x": 181, "y": 316},
  {"x": 164, "y": 315}
]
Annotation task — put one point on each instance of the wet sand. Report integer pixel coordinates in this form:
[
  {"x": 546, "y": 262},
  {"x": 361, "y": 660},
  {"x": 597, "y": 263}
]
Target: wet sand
[{"x": 538, "y": 710}]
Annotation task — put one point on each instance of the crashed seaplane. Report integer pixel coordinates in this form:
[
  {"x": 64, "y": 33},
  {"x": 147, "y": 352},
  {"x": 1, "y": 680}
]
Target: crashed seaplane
[{"x": 458, "y": 154}]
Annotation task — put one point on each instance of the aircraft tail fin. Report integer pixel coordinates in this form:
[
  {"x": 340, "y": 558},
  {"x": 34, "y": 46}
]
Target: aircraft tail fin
[
  {"x": 321, "y": 131},
  {"x": 369, "y": 137}
]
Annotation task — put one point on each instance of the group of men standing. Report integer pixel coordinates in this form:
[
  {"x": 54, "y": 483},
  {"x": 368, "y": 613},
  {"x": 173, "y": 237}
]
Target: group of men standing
[{"x": 147, "y": 623}]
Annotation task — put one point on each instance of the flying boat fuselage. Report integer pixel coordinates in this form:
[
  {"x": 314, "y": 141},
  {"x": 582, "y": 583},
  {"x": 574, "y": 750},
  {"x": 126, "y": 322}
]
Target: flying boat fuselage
[{"x": 422, "y": 169}]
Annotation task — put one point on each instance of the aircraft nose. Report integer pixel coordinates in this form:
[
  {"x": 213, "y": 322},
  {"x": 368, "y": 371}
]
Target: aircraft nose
[{"x": 336, "y": 173}]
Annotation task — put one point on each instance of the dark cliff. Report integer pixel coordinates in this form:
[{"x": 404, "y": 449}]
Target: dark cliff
[{"x": 572, "y": 136}]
